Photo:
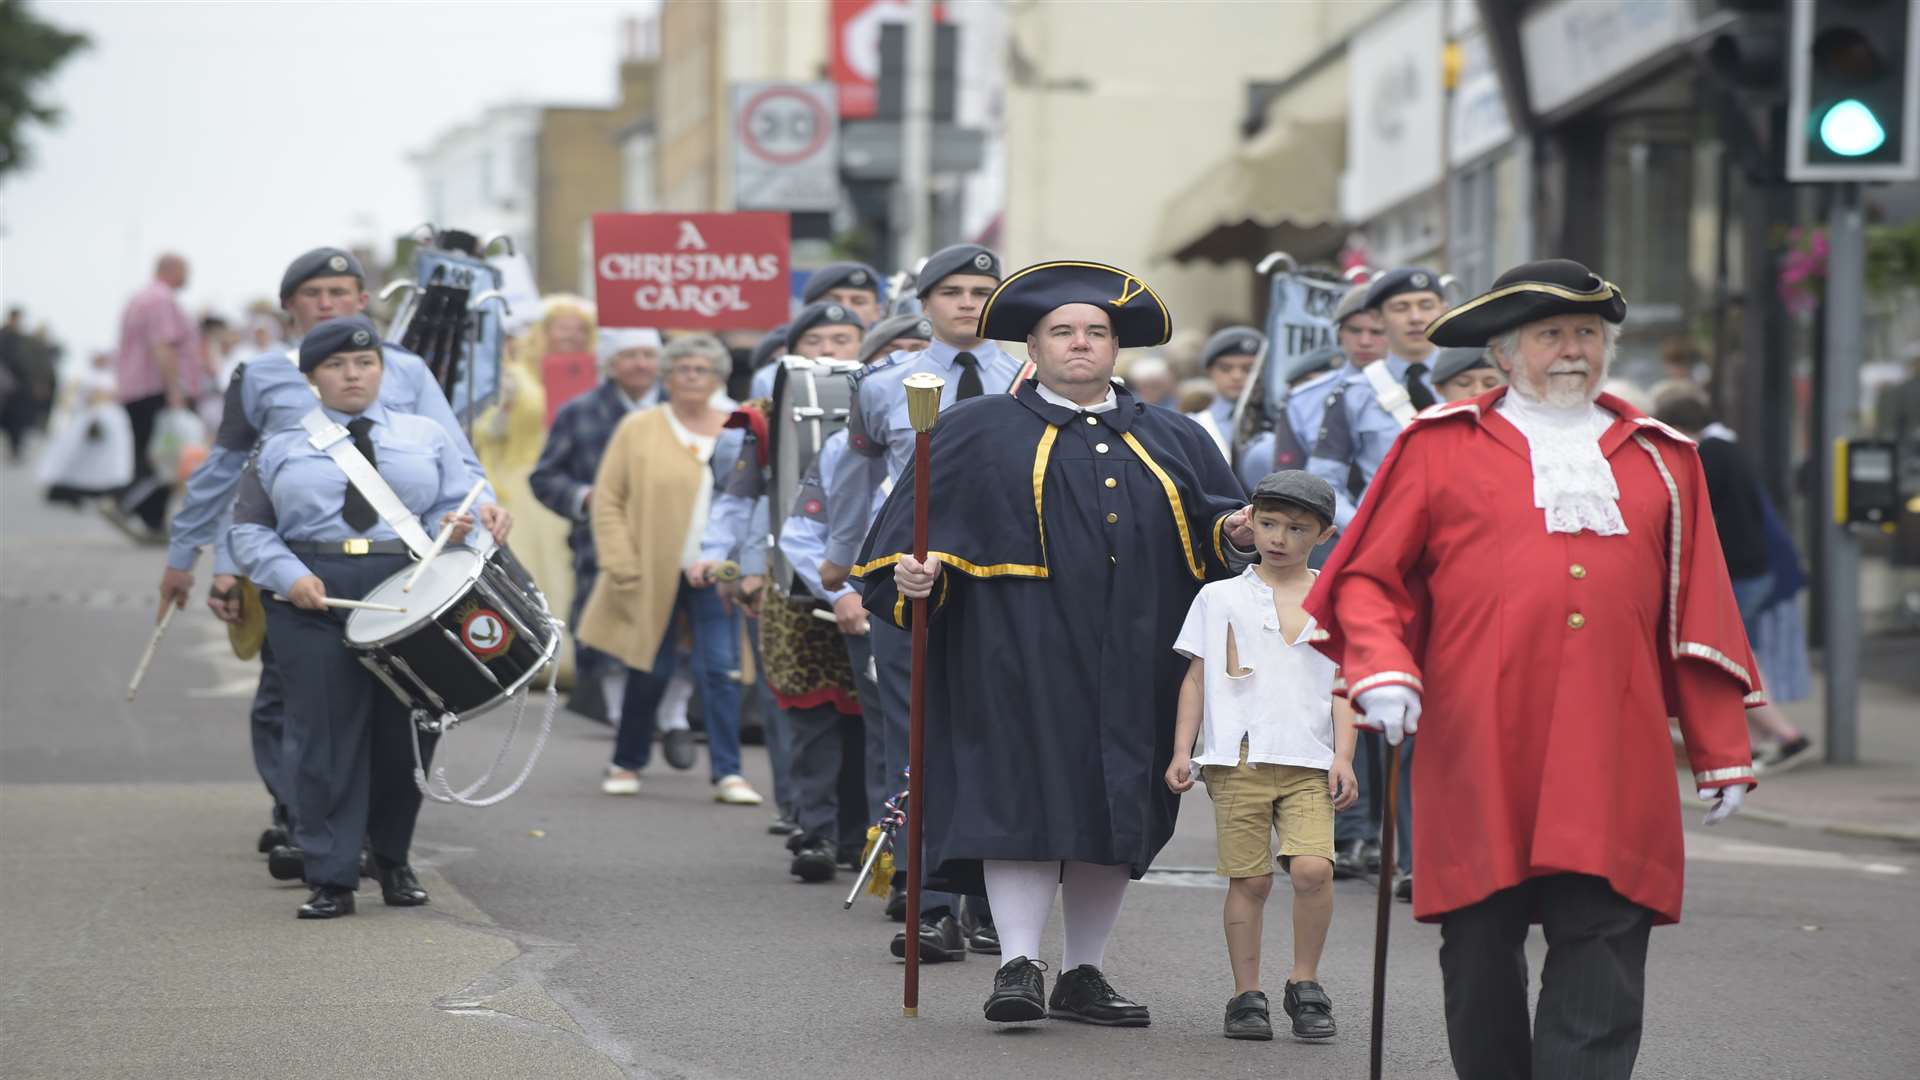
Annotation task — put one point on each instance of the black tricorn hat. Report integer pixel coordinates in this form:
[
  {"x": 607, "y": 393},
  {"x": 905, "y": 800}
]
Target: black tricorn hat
[
  {"x": 1139, "y": 316},
  {"x": 1527, "y": 293}
]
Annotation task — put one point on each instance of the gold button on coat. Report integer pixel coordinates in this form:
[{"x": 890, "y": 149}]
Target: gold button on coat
[
  {"x": 1111, "y": 482},
  {"x": 1579, "y": 572},
  {"x": 1092, "y": 420},
  {"x": 1111, "y": 518},
  {"x": 1102, "y": 447},
  {"x": 1576, "y": 620}
]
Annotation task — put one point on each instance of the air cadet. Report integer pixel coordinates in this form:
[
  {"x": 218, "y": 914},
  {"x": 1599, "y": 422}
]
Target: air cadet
[
  {"x": 909, "y": 333},
  {"x": 853, "y": 285},
  {"x": 267, "y": 394},
  {"x": 1228, "y": 357},
  {"x": 1282, "y": 448},
  {"x": 761, "y": 361},
  {"x": 302, "y": 532},
  {"x": 1459, "y": 374},
  {"x": 1407, "y": 300}
]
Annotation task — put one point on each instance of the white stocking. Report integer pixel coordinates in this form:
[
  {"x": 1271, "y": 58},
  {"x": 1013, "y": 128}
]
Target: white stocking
[
  {"x": 1021, "y": 893},
  {"x": 1090, "y": 897},
  {"x": 672, "y": 712},
  {"x": 613, "y": 687}
]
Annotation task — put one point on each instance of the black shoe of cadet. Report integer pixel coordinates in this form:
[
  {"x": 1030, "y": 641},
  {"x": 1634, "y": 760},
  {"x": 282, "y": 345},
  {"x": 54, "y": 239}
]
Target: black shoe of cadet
[
  {"x": 939, "y": 939},
  {"x": 327, "y": 902},
  {"x": 1349, "y": 860},
  {"x": 897, "y": 905},
  {"x": 782, "y": 825},
  {"x": 399, "y": 887},
  {"x": 1403, "y": 889},
  {"x": 1247, "y": 1017},
  {"x": 272, "y": 838},
  {"x": 984, "y": 939},
  {"x": 1018, "y": 992},
  {"x": 812, "y": 860},
  {"x": 287, "y": 863},
  {"x": 1084, "y": 994},
  {"x": 1311, "y": 1009}
]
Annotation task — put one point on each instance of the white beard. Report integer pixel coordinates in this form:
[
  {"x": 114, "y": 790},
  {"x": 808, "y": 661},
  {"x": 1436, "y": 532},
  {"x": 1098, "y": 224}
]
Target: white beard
[{"x": 1545, "y": 393}]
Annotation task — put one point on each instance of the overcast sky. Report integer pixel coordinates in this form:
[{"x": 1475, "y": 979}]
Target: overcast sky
[{"x": 242, "y": 134}]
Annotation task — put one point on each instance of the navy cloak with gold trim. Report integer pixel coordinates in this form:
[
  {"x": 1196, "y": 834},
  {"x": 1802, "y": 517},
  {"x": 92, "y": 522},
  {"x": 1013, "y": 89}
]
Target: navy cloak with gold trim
[{"x": 1073, "y": 544}]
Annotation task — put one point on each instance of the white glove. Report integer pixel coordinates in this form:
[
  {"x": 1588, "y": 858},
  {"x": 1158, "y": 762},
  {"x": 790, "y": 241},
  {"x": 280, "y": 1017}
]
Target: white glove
[
  {"x": 1727, "y": 803},
  {"x": 1394, "y": 711}
]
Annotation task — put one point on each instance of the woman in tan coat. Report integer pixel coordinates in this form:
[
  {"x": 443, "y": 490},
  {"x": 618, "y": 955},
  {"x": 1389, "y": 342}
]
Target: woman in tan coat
[{"x": 648, "y": 506}]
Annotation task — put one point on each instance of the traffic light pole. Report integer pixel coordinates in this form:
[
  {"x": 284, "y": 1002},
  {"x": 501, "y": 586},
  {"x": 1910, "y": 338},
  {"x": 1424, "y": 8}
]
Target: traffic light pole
[{"x": 1840, "y": 414}]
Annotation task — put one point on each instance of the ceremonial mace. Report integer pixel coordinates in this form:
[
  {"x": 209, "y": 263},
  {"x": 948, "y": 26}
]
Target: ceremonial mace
[
  {"x": 1385, "y": 912},
  {"x": 923, "y": 410}
]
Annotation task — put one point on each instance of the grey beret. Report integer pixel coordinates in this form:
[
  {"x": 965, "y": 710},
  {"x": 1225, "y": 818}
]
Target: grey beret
[
  {"x": 1299, "y": 487},
  {"x": 1404, "y": 280},
  {"x": 1451, "y": 362},
  {"x": 1350, "y": 305},
  {"x": 843, "y": 275},
  {"x": 1324, "y": 358},
  {"x": 958, "y": 259},
  {"x": 1233, "y": 341},
  {"x": 817, "y": 314},
  {"x": 320, "y": 262},
  {"x": 352, "y": 333},
  {"x": 768, "y": 348},
  {"x": 880, "y": 339}
]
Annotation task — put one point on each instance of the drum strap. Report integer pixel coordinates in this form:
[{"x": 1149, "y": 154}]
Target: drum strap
[
  {"x": 337, "y": 443},
  {"x": 1391, "y": 395}
]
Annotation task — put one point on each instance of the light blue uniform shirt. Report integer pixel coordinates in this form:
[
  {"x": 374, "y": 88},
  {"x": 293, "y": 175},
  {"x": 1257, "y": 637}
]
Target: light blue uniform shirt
[
  {"x": 882, "y": 437},
  {"x": 803, "y": 536},
  {"x": 272, "y": 397},
  {"x": 761, "y": 385},
  {"x": 296, "y": 492},
  {"x": 736, "y": 525},
  {"x": 1374, "y": 430}
]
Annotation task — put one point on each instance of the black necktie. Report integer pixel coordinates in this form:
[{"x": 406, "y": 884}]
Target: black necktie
[
  {"x": 1335, "y": 442},
  {"x": 969, "y": 376},
  {"x": 1417, "y": 390},
  {"x": 357, "y": 510}
]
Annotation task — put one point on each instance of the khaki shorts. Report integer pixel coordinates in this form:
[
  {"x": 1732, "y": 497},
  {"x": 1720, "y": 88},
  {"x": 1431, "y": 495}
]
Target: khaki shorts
[{"x": 1251, "y": 802}]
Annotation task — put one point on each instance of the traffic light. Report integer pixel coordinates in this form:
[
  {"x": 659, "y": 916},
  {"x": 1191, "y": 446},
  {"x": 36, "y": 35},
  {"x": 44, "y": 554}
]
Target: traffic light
[{"x": 1853, "y": 105}]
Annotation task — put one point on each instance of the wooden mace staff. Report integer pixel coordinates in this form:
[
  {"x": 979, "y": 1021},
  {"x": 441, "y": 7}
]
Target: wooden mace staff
[
  {"x": 923, "y": 410},
  {"x": 1384, "y": 915}
]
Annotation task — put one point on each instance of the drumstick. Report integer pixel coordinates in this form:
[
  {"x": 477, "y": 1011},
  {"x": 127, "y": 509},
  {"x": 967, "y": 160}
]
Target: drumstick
[
  {"x": 441, "y": 540},
  {"x": 823, "y": 613},
  {"x": 153, "y": 643},
  {"x": 357, "y": 605}
]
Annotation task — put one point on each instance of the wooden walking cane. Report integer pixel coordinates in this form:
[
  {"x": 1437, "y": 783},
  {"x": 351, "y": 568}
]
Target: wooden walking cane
[
  {"x": 1385, "y": 913},
  {"x": 923, "y": 409}
]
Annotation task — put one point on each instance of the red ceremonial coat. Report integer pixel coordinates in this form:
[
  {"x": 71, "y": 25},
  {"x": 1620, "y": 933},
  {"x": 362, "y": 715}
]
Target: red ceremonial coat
[{"x": 1548, "y": 663}]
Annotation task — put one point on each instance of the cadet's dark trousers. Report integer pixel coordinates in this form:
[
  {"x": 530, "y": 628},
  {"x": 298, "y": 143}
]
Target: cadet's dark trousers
[
  {"x": 893, "y": 656},
  {"x": 267, "y": 722},
  {"x": 1592, "y": 989},
  {"x": 873, "y": 726},
  {"x": 827, "y": 772},
  {"x": 1361, "y": 821},
  {"x": 348, "y": 743}
]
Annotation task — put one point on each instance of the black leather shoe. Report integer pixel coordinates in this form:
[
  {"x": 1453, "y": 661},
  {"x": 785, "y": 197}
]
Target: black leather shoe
[
  {"x": 287, "y": 863},
  {"x": 399, "y": 888},
  {"x": 1084, "y": 994},
  {"x": 1311, "y": 1009},
  {"x": 1247, "y": 1017},
  {"x": 1403, "y": 889},
  {"x": 850, "y": 856},
  {"x": 272, "y": 838},
  {"x": 813, "y": 861},
  {"x": 984, "y": 939},
  {"x": 368, "y": 868},
  {"x": 1349, "y": 860},
  {"x": 782, "y": 826},
  {"x": 1018, "y": 992},
  {"x": 677, "y": 747},
  {"x": 897, "y": 906},
  {"x": 939, "y": 940},
  {"x": 327, "y": 902}
]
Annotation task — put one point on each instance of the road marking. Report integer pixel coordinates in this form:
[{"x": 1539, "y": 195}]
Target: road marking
[{"x": 1712, "y": 849}]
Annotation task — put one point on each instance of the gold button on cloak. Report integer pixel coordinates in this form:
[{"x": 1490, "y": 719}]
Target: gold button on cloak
[
  {"x": 1112, "y": 518},
  {"x": 1092, "y": 420},
  {"x": 1576, "y": 620},
  {"x": 1578, "y": 572},
  {"x": 1111, "y": 482},
  {"x": 1102, "y": 447}
]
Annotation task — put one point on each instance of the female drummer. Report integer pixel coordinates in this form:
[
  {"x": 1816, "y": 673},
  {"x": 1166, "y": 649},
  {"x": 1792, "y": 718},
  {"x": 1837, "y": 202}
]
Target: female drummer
[{"x": 303, "y": 533}]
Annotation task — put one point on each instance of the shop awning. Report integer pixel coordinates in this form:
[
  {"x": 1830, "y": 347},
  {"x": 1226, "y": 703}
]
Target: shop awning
[{"x": 1280, "y": 192}]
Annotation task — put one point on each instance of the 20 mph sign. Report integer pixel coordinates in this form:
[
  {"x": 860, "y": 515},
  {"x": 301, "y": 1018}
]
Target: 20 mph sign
[{"x": 786, "y": 146}]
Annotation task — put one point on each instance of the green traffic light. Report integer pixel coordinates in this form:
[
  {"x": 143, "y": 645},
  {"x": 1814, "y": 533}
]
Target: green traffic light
[{"x": 1850, "y": 129}]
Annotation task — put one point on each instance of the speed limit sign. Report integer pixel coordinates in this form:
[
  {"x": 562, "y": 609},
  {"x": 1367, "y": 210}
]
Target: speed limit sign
[{"x": 786, "y": 146}]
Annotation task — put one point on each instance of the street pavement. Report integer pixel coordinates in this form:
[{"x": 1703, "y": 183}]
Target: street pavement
[{"x": 572, "y": 934}]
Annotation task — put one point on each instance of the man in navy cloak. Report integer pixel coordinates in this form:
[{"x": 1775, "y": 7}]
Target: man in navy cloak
[{"x": 1070, "y": 526}]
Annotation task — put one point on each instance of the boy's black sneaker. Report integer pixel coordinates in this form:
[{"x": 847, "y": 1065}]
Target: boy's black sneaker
[
  {"x": 1018, "y": 992},
  {"x": 1084, "y": 994},
  {"x": 1247, "y": 1017},
  {"x": 1311, "y": 1009}
]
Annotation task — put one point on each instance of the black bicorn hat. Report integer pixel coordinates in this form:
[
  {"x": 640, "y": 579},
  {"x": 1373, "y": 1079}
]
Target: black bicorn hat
[
  {"x": 958, "y": 259},
  {"x": 350, "y": 333},
  {"x": 320, "y": 262},
  {"x": 817, "y": 314},
  {"x": 1233, "y": 341},
  {"x": 1140, "y": 318},
  {"x": 1528, "y": 293},
  {"x": 879, "y": 340},
  {"x": 1452, "y": 362},
  {"x": 1404, "y": 280},
  {"x": 844, "y": 275}
]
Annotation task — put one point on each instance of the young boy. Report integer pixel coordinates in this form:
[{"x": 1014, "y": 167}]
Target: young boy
[{"x": 1276, "y": 748}]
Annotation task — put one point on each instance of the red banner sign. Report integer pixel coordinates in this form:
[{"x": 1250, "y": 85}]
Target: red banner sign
[{"x": 691, "y": 271}]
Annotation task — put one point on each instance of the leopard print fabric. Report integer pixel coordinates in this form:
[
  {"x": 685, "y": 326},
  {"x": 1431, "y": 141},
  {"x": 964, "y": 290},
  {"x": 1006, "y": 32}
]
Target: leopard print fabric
[{"x": 806, "y": 657}]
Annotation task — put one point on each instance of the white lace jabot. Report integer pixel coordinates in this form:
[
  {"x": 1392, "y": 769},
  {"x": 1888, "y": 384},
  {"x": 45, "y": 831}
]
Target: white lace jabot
[{"x": 1572, "y": 481}]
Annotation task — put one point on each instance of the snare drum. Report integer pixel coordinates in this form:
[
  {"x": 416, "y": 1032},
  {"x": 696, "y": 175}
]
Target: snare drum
[{"x": 476, "y": 631}]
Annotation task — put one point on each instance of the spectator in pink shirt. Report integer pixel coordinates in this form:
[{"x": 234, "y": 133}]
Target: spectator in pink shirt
[{"x": 159, "y": 367}]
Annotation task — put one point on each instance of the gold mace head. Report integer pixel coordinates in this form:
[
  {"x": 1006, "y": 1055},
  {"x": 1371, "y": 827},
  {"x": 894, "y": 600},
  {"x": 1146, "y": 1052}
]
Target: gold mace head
[{"x": 923, "y": 399}]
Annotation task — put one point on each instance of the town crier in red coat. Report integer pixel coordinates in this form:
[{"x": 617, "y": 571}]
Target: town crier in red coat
[{"x": 1534, "y": 584}]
